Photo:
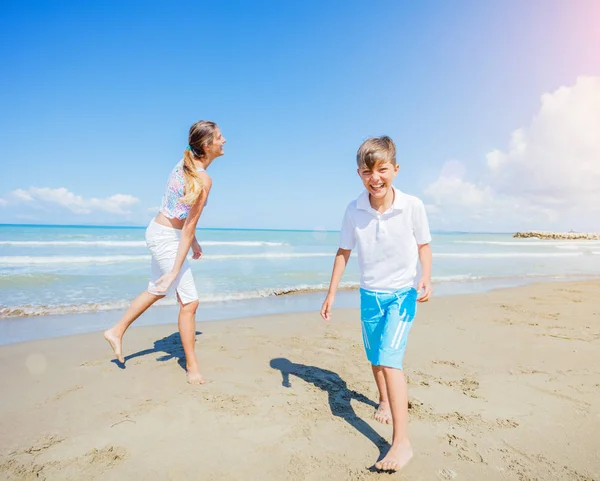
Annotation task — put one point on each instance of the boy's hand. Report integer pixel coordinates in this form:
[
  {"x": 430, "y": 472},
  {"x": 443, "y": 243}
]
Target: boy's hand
[
  {"x": 426, "y": 290},
  {"x": 326, "y": 308}
]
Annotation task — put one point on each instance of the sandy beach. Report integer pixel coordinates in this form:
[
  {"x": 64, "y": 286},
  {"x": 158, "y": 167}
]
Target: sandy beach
[{"x": 502, "y": 386}]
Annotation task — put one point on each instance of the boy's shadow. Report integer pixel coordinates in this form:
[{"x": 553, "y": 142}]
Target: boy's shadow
[
  {"x": 339, "y": 396},
  {"x": 170, "y": 345}
]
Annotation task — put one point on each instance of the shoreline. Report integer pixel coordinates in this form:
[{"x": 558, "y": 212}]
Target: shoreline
[
  {"x": 20, "y": 329},
  {"x": 492, "y": 378}
]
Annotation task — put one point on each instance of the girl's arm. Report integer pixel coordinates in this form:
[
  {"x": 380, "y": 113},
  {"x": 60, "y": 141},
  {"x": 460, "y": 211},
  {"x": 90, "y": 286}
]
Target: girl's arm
[{"x": 188, "y": 233}]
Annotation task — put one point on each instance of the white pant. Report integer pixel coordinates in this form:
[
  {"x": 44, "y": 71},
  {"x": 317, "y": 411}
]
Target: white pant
[{"x": 163, "y": 243}]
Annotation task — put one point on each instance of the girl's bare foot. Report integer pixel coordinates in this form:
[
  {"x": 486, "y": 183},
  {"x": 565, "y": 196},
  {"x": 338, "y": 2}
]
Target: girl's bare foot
[
  {"x": 193, "y": 374},
  {"x": 397, "y": 457},
  {"x": 383, "y": 413},
  {"x": 115, "y": 343}
]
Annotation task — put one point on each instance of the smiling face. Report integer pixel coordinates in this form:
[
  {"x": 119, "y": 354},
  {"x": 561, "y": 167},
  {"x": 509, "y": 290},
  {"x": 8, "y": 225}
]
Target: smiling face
[
  {"x": 215, "y": 149},
  {"x": 205, "y": 140},
  {"x": 378, "y": 179},
  {"x": 376, "y": 161}
]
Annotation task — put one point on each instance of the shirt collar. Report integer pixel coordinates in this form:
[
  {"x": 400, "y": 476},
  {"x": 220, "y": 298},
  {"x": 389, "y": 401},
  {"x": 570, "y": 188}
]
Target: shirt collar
[{"x": 363, "y": 201}]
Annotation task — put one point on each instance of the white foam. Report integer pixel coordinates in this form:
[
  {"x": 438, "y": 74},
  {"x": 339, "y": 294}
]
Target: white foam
[
  {"x": 532, "y": 243},
  {"x": 45, "y": 310},
  {"x": 271, "y": 255},
  {"x": 105, "y": 243},
  {"x": 242, "y": 243},
  {"x": 75, "y": 243},
  {"x": 218, "y": 297},
  {"x": 503, "y": 255},
  {"x": 456, "y": 278},
  {"x": 53, "y": 260}
]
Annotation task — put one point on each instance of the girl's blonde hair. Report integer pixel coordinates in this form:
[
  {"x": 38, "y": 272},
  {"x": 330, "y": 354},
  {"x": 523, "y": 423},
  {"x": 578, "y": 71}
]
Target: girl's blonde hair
[{"x": 201, "y": 134}]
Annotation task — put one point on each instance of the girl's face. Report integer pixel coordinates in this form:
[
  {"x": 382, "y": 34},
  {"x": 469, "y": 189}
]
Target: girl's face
[{"x": 216, "y": 148}]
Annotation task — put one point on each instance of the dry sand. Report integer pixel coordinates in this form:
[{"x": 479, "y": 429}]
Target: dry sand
[{"x": 503, "y": 386}]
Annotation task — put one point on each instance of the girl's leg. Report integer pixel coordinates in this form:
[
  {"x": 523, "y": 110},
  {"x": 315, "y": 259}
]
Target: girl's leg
[
  {"x": 187, "y": 331},
  {"x": 383, "y": 413},
  {"x": 114, "y": 335}
]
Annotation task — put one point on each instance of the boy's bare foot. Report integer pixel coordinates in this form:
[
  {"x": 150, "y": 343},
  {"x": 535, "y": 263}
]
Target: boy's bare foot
[
  {"x": 193, "y": 375},
  {"x": 383, "y": 413},
  {"x": 396, "y": 458},
  {"x": 115, "y": 343}
]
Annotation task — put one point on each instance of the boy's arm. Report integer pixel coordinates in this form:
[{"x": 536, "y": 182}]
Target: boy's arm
[
  {"x": 339, "y": 265},
  {"x": 425, "y": 259}
]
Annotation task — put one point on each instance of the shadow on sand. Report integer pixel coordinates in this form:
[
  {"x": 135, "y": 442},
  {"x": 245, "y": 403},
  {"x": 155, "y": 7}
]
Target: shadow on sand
[
  {"x": 339, "y": 397},
  {"x": 170, "y": 345}
]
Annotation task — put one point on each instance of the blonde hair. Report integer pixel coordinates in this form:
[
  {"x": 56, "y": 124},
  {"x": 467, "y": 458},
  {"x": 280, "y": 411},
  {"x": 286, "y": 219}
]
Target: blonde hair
[
  {"x": 201, "y": 134},
  {"x": 374, "y": 151}
]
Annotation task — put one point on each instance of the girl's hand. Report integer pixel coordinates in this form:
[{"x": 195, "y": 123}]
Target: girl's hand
[
  {"x": 164, "y": 282},
  {"x": 196, "y": 249}
]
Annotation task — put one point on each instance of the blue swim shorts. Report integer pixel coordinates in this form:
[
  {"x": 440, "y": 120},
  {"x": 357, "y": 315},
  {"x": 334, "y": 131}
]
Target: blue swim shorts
[{"x": 386, "y": 320}]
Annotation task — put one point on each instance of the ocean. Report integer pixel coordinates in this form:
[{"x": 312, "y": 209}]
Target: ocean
[{"x": 48, "y": 271}]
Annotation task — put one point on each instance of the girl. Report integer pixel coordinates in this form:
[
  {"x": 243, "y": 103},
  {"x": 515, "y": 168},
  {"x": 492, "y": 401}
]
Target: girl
[{"x": 169, "y": 237}]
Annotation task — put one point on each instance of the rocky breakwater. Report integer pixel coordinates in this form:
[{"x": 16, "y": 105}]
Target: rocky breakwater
[{"x": 557, "y": 235}]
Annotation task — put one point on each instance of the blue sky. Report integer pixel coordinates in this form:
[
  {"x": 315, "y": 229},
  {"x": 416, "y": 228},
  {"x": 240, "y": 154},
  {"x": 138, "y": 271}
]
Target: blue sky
[{"x": 97, "y": 98}]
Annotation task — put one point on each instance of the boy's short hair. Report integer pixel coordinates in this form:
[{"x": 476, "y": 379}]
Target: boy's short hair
[{"x": 374, "y": 151}]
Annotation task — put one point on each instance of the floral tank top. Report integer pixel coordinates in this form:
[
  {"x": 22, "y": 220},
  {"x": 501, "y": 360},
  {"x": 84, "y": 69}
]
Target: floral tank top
[{"x": 171, "y": 206}]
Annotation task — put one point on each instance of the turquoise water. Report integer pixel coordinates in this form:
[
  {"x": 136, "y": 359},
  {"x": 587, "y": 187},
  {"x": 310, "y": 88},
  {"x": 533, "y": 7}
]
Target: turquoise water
[{"x": 50, "y": 270}]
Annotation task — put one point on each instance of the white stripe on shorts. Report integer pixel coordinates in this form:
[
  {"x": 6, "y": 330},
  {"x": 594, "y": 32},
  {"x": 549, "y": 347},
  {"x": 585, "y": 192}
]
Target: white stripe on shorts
[
  {"x": 402, "y": 325},
  {"x": 365, "y": 337}
]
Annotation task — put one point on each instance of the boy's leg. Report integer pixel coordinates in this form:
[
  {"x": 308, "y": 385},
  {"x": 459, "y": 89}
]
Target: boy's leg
[
  {"x": 399, "y": 317},
  {"x": 373, "y": 320},
  {"x": 383, "y": 413},
  {"x": 401, "y": 450}
]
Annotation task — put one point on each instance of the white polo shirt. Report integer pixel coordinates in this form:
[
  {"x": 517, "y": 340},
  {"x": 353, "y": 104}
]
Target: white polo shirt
[{"x": 388, "y": 255}]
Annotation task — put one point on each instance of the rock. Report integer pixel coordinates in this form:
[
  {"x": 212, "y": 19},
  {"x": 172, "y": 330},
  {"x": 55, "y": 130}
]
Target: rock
[{"x": 557, "y": 235}]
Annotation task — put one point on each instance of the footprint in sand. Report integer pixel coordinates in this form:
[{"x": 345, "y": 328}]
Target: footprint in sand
[
  {"x": 91, "y": 363},
  {"x": 447, "y": 363},
  {"x": 466, "y": 451},
  {"x": 62, "y": 394},
  {"x": 507, "y": 423},
  {"x": 468, "y": 387},
  {"x": 446, "y": 474},
  {"x": 83, "y": 467},
  {"x": 465, "y": 385},
  {"x": 43, "y": 443},
  {"x": 522, "y": 462}
]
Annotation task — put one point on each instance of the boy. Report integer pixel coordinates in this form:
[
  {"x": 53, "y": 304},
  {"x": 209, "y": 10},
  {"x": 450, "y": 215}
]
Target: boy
[{"x": 391, "y": 232}]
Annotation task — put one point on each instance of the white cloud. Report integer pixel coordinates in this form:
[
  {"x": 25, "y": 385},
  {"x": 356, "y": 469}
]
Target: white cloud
[
  {"x": 21, "y": 195},
  {"x": 45, "y": 197},
  {"x": 454, "y": 191},
  {"x": 3, "y": 202},
  {"x": 548, "y": 175}
]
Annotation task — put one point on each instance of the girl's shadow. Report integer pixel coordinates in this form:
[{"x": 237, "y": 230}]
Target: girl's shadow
[
  {"x": 170, "y": 345},
  {"x": 339, "y": 396}
]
